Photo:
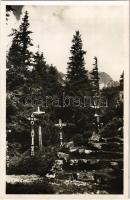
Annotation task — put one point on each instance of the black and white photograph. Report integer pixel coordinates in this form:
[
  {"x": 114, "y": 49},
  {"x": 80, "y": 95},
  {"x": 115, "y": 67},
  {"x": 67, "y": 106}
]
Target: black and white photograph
[{"x": 66, "y": 66}]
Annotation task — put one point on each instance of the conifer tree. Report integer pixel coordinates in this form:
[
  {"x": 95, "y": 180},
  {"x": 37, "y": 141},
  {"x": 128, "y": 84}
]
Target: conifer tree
[
  {"x": 95, "y": 78},
  {"x": 44, "y": 76},
  {"x": 19, "y": 55},
  {"x": 77, "y": 85},
  {"x": 18, "y": 63},
  {"x": 77, "y": 80},
  {"x": 39, "y": 73},
  {"x": 76, "y": 65},
  {"x": 53, "y": 80}
]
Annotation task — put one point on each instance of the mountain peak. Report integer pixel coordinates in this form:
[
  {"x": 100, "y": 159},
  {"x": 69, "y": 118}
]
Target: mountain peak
[{"x": 106, "y": 80}]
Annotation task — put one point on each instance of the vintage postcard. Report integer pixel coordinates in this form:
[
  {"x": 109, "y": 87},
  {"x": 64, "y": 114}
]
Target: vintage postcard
[{"x": 64, "y": 99}]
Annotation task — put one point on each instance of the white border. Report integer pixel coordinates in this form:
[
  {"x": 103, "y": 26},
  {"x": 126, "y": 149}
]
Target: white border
[
  {"x": 67, "y": 3},
  {"x": 3, "y": 106}
]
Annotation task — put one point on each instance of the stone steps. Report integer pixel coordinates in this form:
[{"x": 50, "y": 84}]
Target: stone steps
[{"x": 94, "y": 167}]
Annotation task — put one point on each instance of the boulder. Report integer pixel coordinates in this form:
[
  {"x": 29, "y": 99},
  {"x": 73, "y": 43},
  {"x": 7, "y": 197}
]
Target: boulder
[
  {"x": 69, "y": 144},
  {"x": 63, "y": 156}
]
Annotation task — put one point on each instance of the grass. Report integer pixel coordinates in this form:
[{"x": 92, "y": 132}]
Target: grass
[{"x": 34, "y": 188}]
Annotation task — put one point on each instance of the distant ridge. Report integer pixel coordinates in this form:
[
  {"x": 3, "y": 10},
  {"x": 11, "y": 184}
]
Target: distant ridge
[{"x": 104, "y": 81}]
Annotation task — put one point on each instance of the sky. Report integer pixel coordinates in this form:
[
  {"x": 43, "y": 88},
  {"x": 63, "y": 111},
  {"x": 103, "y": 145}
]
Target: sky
[{"x": 103, "y": 28}]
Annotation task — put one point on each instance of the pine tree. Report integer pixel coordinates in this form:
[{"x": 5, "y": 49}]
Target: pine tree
[
  {"x": 25, "y": 41},
  {"x": 19, "y": 55},
  {"x": 77, "y": 82},
  {"x": 39, "y": 73},
  {"x": 39, "y": 62},
  {"x": 77, "y": 85},
  {"x": 95, "y": 78},
  {"x": 76, "y": 66},
  {"x": 53, "y": 82},
  {"x": 44, "y": 76},
  {"x": 18, "y": 71}
]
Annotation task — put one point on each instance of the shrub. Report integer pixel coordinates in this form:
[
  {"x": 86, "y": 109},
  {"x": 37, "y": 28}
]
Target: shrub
[{"x": 40, "y": 164}]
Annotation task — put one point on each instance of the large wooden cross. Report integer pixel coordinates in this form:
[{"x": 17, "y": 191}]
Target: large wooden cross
[
  {"x": 32, "y": 120},
  {"x": 39, "y": 113}
]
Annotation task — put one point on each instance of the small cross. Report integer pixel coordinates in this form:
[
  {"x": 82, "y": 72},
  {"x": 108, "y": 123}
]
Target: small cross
[
  {"x": 32, "y": 119},
  {"x": 60, "y": 125}
]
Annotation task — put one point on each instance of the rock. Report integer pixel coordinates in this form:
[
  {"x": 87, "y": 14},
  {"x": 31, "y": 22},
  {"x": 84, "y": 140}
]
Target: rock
[
  {"x": 62, "y": 155},
  {"x": 73, "y": 150},
  {"x": 97, "y": 145},
  {"x": 114, "y": 163},
  {"x": 95, "y": 137},
  {"x": 50, "y": 176},
  {"x": 57, "y": 165},
  {"x": 73, "y": 161},
  {"x": 86, "y": 176},
  {"x": 59, "y": 162},
  {"x": 84, "y": 160},
  {"x": 94, "y": 161},
  {"x": 69, "y": 144},
  {"x": 87, "y": 151},
  {"x": 81, "y": 151}
]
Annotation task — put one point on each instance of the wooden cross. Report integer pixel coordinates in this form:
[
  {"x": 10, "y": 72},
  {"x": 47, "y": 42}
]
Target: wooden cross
[
  {"x": 38, "y": 113},
  {"x": 96, "y": 104},
  {"x": 32, "y": 120},
  {"x": 60, "y": 125}
]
